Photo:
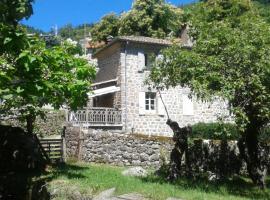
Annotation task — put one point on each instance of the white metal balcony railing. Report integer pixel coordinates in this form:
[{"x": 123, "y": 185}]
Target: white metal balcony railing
[{"x": 96, "y": 116}]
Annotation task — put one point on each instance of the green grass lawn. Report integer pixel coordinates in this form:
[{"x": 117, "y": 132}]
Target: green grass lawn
[{"x": 92, "y": 179}]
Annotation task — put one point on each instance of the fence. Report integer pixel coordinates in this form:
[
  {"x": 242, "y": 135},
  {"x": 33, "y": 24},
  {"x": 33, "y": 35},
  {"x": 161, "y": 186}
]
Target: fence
[
  {"x": 96, "y": 117},
  {"x": 53, "y": 148}
]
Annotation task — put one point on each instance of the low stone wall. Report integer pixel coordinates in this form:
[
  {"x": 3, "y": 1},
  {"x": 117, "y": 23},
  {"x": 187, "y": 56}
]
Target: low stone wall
[
  {"x": 52, "y": 125},
  {"x": 101, "y": 146}
]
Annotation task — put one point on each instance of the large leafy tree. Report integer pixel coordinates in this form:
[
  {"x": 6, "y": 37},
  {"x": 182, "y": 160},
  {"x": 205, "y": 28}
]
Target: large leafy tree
[
  {"x": 153, "y": 18},
  {"x": 230, "y": 59},
  {"x": 12, "y": 11},
  {"x": 108, "y": 26},
  {"x": 32, "y": 75}
]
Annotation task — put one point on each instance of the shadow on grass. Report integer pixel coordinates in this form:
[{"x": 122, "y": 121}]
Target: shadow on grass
[
  {"x": 237, "y": 186},
  {"x": 69, "y": 171}
]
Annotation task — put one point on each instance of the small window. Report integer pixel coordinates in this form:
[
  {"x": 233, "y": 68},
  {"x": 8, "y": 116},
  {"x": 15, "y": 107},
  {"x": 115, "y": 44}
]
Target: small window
[
  {"x": 150, "y": 101},
  {"x": 149, "y": 60}
]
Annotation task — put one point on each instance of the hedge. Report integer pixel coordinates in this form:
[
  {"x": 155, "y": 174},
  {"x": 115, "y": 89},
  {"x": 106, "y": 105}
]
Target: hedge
[{"x": 218, "y": 131}]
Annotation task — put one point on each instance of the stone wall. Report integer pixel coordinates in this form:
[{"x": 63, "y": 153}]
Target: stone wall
[
  {"x": 51, "y": 125},
  {"x": 206, "y": 157},
  {"x": 101, "y": 146}
]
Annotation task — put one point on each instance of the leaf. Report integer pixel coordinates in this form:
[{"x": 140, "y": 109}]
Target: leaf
[
  {"x": 7, "y": 97},
  {"x": 32, "y": 59},
  {"x": 38, "y": 87},
  {"x": 7, "y": 40},
  {"x": 19, "y": 90}
]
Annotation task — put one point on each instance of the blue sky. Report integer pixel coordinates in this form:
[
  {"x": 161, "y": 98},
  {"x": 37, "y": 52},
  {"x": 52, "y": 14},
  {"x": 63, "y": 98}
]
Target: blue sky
[{"x": 48, "y": 13}]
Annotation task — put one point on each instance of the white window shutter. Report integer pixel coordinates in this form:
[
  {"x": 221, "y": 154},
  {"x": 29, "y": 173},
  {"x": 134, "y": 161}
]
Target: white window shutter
[
  {"x": 160, "y": 107},
  {"x": 187, "y": 105},
  {"x": 141, "y": 103},
  {"x": 141, "y": 60}
]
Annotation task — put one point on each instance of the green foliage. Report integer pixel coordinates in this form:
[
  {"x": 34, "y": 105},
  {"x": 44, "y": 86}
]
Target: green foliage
[
  {"x": 230, "y": 59},
  {"x": 32, "y": 30},
  {"x": 108, "y": 26},
  {"x": 153, "y": 18},
  {"x": 215, "y": 131},
  {"x": 12, "y": 11},
  {"x": 75, "y": 33},
  {"x": 263, "y": 8},
  {"x": 32, "y": 75}
]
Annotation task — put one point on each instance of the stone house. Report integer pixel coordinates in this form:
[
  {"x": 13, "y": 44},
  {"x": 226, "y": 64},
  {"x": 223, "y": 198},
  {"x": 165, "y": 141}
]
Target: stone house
[{"x": 121, "y": 100}]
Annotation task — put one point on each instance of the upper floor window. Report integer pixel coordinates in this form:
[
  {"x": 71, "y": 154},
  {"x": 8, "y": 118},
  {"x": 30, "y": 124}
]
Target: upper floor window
[
  {"x": 149, "y": 60},
  {"x": 146, "y": 60}
]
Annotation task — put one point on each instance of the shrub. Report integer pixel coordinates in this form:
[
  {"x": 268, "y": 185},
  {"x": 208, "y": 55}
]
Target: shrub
[
  {"x": 215, "y": 131},
  {"x": 219, "y": 131}
]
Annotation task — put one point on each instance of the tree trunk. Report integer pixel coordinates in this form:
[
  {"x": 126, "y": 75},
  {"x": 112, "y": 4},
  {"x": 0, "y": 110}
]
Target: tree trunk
[
  {"x": 30, "y": 124},
  {"x": 253, "y": 154}
]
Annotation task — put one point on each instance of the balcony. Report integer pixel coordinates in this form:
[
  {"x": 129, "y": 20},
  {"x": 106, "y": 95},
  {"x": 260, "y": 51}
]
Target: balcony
[{"x": 98, "y": 117}]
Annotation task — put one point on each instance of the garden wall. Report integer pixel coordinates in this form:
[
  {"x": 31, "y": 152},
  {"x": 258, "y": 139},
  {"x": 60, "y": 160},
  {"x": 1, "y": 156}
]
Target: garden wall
[
  {"x": 52, "y": 125},
  {"x": 113, "y": 147},
  {"x": 218, "y": 157}
]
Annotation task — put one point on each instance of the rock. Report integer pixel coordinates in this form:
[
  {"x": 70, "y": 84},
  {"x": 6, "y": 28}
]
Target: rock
[
  {"x": 212, "y": 176},
  {"x": 154, "y": 157},
  {"x": 135, "y": 171},
  {"x": 131, "y": 196},
  {"x": 144, "y": 157},
  {"x": 105, "y": 195}
]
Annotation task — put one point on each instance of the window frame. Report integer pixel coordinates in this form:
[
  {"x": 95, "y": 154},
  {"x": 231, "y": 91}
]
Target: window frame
[
  {"x": 150, "y": 101},
  {"x": 149, "y": 59}
]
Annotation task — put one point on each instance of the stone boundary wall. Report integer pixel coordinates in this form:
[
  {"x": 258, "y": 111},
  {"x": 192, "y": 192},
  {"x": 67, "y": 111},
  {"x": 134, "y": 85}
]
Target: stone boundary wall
[
  {"x": 99, "y": 146},
  {"x": 116, "y": 148},
  {"x": 52, "y": 125}
]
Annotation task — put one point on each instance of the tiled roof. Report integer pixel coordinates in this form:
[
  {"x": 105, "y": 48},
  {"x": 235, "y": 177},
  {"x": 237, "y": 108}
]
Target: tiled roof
[
  {"x": 136, "y": 39},
  {"x": 141, "y": 39}
]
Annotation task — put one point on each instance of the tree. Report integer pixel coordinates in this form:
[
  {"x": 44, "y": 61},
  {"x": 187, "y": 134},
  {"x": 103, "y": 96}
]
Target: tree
[
  {"x": 32, "y": 75},
  {"x": 33, "y": 30},
  {"x": 75, "y": 33},
  {"x": 12, "y": 11},
  {"x": 108, "y": 26},
  {"x": 152, "y": 18},
  {"x": 231, "y": 60}
]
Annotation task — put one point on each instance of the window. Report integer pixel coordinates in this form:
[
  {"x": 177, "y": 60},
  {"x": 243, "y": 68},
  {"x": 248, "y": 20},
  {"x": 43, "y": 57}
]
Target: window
[
  {"x": 150, "y": 101},
  {"x": 187, "y": 105},
  {"x": 149, "y": 60}
]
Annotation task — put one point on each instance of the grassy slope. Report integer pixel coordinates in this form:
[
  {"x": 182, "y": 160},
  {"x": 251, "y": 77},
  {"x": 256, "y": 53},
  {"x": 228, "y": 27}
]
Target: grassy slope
[{"x": 96, "y": 178}]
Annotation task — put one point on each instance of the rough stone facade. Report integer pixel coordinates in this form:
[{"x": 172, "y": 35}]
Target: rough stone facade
[
  {"x": 154, "y": 124},
  {"x": 99, "y": 146},
  {"x": 121, "y": 60}
]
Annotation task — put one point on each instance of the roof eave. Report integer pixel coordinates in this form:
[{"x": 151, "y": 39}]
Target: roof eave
[{"x": 126, "y": 40}]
